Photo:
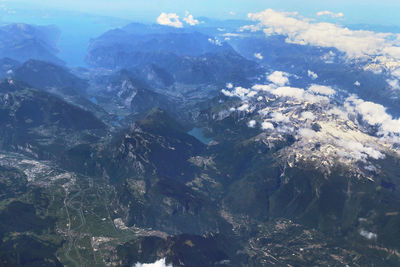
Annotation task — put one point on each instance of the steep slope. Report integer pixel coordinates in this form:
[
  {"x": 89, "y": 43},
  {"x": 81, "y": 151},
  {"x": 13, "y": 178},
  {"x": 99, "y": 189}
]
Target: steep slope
[
  {"x": 149, "y": 165},
  {"x": 49, "y": 77},
  {"x": 7, "y": 66},
  {"x": 310, "y": 155},
  {"x": 41, "y": 124},
  {"x": 129, "y": 92},
  {"x": 23, "y": 42},
  {"x": 181, "y": 57}
]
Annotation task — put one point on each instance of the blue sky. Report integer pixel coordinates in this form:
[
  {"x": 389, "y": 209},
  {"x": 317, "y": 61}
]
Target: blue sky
[{"x": 359, "y": 11}]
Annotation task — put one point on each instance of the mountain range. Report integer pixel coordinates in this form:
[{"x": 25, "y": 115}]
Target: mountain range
[{"x": 195, "y": 146}]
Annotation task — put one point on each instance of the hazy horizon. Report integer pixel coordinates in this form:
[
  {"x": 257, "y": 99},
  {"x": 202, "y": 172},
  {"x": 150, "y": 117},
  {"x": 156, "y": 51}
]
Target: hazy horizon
[
  {"x": 81, "y": 21},
  {"x": 355, "y": 12}
]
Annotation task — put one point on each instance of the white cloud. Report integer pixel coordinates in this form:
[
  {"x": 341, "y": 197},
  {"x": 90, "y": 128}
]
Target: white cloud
[
  {"x": 374, "y": 114},
  {"x": 279, "y": 117},
  {"x": 329, "y": 57},
  {"x": 299, "y": 94},
  {"x": 252, "y": 124},
  {"x": 356, "y": 44},
  {"x": 291, "y": 92},
  {"x": 258, "y": 56},
  {"x": 267, "y": 125},
  {"x": 360, "y": 151},
  {"x": 169, "y": 19},
  {"x": 306, "y": 133},
  {"x": 308, "y": 115},
  {"x": 231, "y": 34},
  {"x": 330, "y": 14},
  {"x": 279, "y": 78},
  {"x": 244, "y": 107},
  {"x": 264, "y": 87},
  {"x": 189, "y": 19},
  {"x": 341, "y": 138},
  {"x": 321, "y": 89},
  {"x": 288, "y": 91},
  {"x": 396, "y": 72},
  {"x": 312, "y": 75},
  {"x": 159, "y": 263},
  {"x": 357, "y": 83},
  {"x": 368, "y": 235},
  {"x": 229, "y": 85},
  {"x": 215, "y": 41},
  {"x": 242, "y": 93},
  {"x": 394, "y": 84}
]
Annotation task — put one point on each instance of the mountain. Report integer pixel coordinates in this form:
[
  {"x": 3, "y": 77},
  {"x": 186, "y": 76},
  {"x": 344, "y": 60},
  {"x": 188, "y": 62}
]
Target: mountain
[
  {"x": 128, "y": 91},
  {"x": 180, "y": 57},
  {"x": 330, "y": 66},
  {"x": 40, "y": 124},
  {"x": 7, "y": 66},
  {"x": 50, "y": 77},
  {"x": 23, "y": 42},
  {"x": 282, "y": 158},
  {"x": 119, "y": 48},
  {"x": 198, "y": 146}
]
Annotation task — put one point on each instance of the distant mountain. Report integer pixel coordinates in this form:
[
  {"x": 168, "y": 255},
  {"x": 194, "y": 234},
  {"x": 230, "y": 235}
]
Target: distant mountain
[
  {"x": 330, "y": 65},
  {"x": 134, "y": 93},
  {"x": 7, "y": 67},
  {"x": 23, "y": 42},
  {"x": 182, "y": 63},
  {"x": 197, "y": 146},
  {"x": 50, "y": 77},
  {"x": 127, "y": 96},
  {"x": 40, "y": 124},
  {"x": 119, "y": 48}
]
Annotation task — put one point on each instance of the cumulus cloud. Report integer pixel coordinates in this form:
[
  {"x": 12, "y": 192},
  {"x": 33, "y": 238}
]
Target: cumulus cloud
[
  {"x": 312, "y": 75},
  {"x": 322, "y": 90},
  {"x": 356, "y": 44},
  {"x": 374, "y": 114},
  {"x": 307, "y": 133},
  {"x": 189, "y": 19},
  {"x": 159, "y": 263},
  {"x": 242, "y": 93},
  {"x": 295, "y": 93},
  {"x": 360, "y": 151},
  {"x": 330, "y": 14},
  {"x": 267, "y": 125},
  {"x": 231, "y": 34},
  {"x": 244, "y": 107},
  {"x": 287, "y": 91},
  {"x": 368, "y": 235},
  {"x": 169, "y": 19},
  {"x": 279, "y": 117},
  {"x": 299, "y": 94},
  {"x": 279, "y": 78},
  {"x": 215, "y": 41},
  {"x": 252, "y": 124},
  {"x": 329, "y": 57},
  {"x": 307, "y": 115},
  {"x": 394, "y": 84},
  {"x": 342, "y": 135},
  {"x": 258, "y": 56},
  {"x": 357, "y": 83}
]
